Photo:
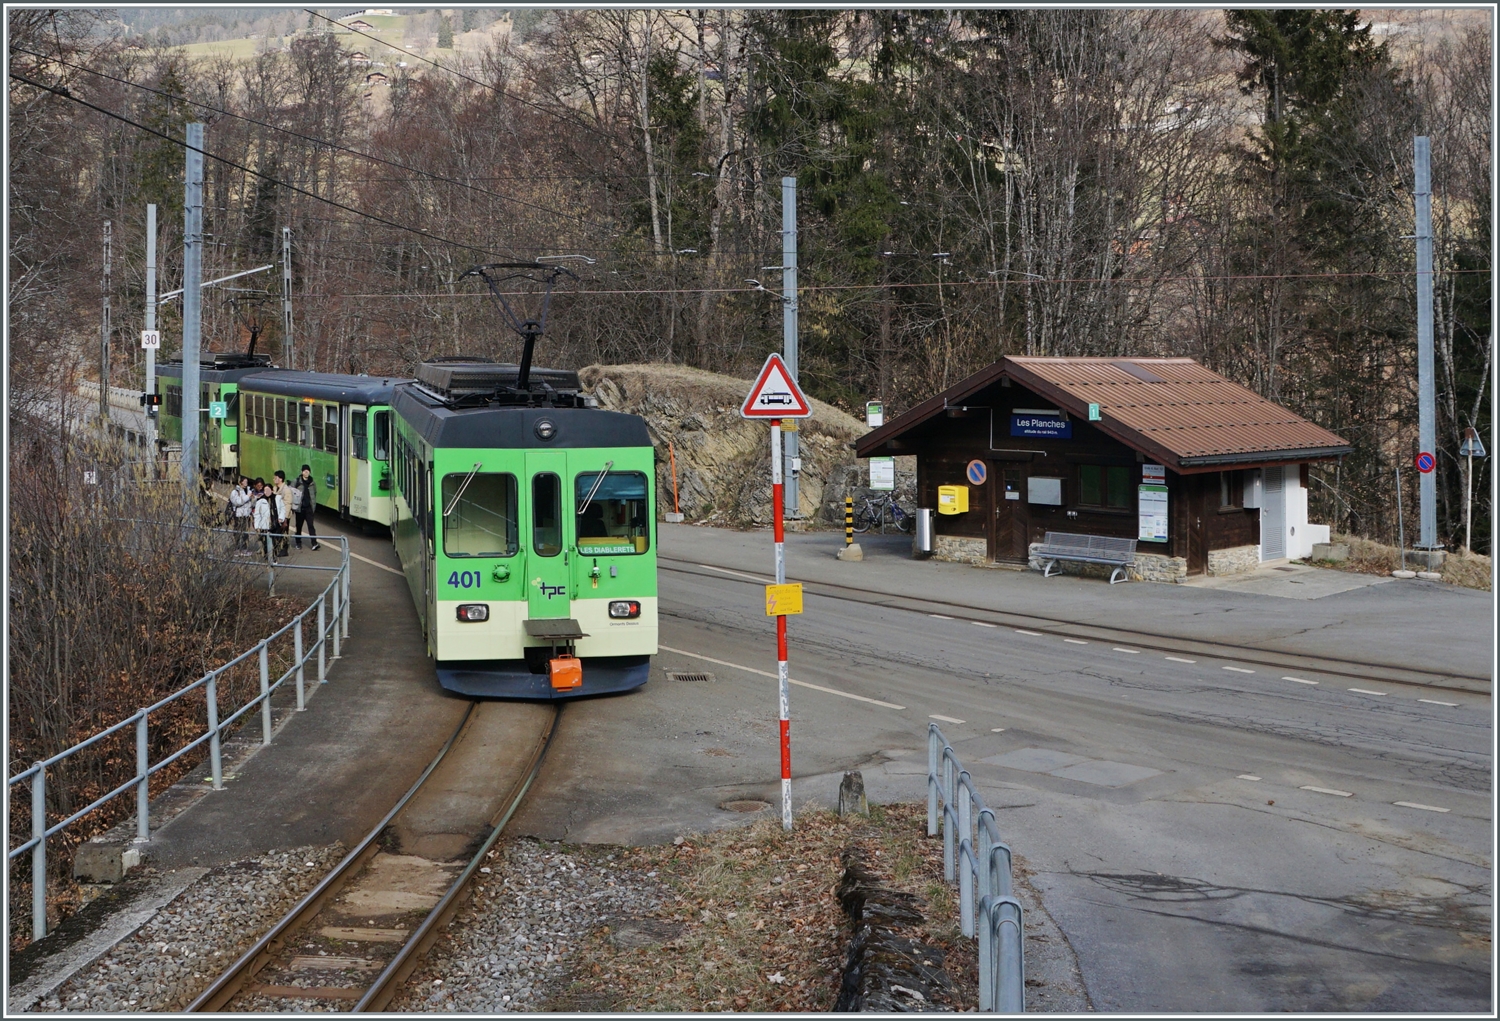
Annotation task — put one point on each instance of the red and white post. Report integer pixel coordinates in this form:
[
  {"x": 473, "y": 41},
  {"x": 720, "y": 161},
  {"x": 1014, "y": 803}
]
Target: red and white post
[{"x": 781, "y": 676}]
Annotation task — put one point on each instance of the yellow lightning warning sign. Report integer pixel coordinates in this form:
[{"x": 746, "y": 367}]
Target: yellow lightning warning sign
[{"x": 783, "y": 600}]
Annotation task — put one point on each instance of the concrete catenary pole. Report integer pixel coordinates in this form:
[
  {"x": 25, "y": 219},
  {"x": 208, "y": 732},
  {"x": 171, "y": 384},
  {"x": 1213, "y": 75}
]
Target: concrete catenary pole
[
  {"x": 104, "y": 332},
  {"x": 288, "y": 348},
  {"x": 150, "y": 386},
  {"x": 1426, "y": 401},
  {"x": 192, "y": 313},
  {"x": 789, "y": 330}
]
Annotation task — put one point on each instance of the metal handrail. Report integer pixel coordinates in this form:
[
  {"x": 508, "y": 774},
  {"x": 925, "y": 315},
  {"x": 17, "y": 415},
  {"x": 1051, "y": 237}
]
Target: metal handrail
[
  {"x": 335, "y": 596},
  {"x": 980, "y": 862}
]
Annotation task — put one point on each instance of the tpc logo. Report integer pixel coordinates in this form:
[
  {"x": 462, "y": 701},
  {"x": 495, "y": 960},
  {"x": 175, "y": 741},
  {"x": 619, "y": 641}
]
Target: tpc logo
[{"x": 551, "y": 590}]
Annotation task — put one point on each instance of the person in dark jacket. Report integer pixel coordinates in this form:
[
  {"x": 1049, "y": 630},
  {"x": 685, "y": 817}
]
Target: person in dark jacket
[{"x": 307, "y": 504}]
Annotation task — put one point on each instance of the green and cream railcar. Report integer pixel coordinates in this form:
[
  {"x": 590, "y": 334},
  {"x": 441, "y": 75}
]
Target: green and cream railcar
[
  {"x": 525, "y": 527},
  {"x": 219, "y": 376},
  {"x": 340, "y": 425}
]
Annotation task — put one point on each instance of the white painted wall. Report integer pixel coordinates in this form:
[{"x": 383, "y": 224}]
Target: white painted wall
[{"x": 1300, "y": 534}]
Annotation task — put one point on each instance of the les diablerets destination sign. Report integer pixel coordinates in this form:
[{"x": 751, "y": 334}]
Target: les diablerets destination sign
[{"x": 1051, "y": 426}]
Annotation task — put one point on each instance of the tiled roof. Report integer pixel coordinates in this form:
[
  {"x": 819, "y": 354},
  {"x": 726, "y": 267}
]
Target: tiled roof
[{"x": 1171, "y": 408}]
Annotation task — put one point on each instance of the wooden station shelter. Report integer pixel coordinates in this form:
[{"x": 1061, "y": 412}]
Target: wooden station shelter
[{"x": 1209, "y": 476}]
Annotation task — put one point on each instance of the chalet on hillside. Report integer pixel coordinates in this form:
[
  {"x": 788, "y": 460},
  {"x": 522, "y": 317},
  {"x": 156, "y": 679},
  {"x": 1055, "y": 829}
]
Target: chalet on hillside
[{"x": 1207, "y": 475}]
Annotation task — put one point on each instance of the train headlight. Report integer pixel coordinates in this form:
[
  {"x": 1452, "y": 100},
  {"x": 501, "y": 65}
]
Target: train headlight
[
  {"x": 624, "y": 609},
  {"x": 545, "y": 429},
  {"x": 474, "y": 612}
]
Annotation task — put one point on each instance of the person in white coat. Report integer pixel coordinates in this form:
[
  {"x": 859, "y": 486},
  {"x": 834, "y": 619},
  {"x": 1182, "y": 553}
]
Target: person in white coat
[
  {"x": 263, "y": 514},
  {"x": 239, "y": 500}
]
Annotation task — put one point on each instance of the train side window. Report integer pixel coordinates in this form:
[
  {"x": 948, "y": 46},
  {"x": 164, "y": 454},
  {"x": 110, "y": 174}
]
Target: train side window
[
  {"x": 546, "y": 514},
  {"x": 614, "y": 519},
  {"x": 232, "y": 412},
  {"x": 480, "y": 518},
  {"x": 378, "y": 436},
  {"x": 278, "y": 414},
  {"x": 331, "y": 432},
  {"x": 357, "y": 436},
  {"x": 317, "y": 427}
]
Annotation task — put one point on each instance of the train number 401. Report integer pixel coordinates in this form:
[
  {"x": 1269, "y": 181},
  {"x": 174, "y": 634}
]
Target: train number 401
[{"x": 465, "y": 579}]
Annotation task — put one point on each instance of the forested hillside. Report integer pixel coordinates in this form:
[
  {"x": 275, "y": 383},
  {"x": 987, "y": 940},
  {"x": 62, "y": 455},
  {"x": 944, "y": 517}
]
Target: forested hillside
[{"x": 1235, "y": 187}]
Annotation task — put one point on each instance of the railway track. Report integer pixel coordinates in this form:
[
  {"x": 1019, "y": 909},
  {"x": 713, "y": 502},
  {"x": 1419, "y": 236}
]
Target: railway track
[
  {"x": 355, "y": 938},
  {"x": 1156, "y": 641}
]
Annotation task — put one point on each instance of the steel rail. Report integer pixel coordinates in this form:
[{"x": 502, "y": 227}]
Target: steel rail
[
  {"x": 389, "y": 981},
  {"x": 1155, "y": 641},
  {"x": 232, "y": 981}
]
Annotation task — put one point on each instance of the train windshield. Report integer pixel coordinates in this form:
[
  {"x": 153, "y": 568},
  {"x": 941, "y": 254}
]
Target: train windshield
[
  {"x": 482, "y": 522},
  {"x": 615, "y": 520}
]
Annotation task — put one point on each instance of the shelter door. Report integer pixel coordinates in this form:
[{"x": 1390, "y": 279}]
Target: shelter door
[
  {"x": 1272, "y": 515},
  {"x": 550, "y": 540},
  {"x": 1008, "y": 517}
]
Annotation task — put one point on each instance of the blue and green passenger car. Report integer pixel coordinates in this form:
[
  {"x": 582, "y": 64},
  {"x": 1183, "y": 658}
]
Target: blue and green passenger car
[
  {"x": 339, "y": 425},
  {"x": 219, "y": 376}
]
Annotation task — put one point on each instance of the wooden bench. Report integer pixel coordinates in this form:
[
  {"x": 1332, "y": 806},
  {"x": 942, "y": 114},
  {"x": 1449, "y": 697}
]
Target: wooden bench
[{"x": 1112, "y": 551}]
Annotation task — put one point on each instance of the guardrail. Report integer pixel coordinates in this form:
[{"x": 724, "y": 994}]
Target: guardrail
[
  {"x": 332, "y": 611},
  {"x": 975, "y": 856}
]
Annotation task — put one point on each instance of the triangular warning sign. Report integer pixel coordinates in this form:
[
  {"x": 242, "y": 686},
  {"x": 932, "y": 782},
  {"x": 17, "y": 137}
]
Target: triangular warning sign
[{"x": 775, "y": 395}]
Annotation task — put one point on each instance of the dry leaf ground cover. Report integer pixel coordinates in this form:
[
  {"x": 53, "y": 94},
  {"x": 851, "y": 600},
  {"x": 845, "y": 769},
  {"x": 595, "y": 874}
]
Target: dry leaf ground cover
[{"x": 751, "y": 921}]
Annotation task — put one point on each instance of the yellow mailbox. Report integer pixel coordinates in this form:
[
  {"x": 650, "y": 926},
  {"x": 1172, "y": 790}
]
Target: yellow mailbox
[{"x": 953, "y": 499}]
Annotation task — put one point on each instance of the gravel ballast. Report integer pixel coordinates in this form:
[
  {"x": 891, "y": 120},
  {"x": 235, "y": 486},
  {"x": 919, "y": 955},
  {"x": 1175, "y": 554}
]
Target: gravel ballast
[{"x": 169, "y": 960}]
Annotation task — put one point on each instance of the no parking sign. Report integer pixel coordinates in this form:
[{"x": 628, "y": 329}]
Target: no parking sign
[
  {"x": 1425, "y": 462},
  {"x": 977, "y": 472}
]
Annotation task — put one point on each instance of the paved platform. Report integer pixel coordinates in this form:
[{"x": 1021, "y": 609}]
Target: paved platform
[
  {"x": 1418, "y": 624},
  {"x": 1291, "y": 581},
  {"x": 334, "y": 770}
]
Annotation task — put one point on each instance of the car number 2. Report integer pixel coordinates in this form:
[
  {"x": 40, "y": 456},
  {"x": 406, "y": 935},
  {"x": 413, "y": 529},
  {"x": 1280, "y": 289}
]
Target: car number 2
[{"x": 465, "y": 579}]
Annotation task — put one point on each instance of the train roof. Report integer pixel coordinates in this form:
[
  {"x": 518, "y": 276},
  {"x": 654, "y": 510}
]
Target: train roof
[
  {"x": 325, "y": 386},
  {"x": 220, "y": 368},
  {"x": 513, "y": 427}
]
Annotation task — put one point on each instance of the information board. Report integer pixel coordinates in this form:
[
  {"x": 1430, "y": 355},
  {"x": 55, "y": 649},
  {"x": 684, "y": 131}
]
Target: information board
[
  {"x": 883, "y": 473},
  {"x": 1152, "y": 501}
]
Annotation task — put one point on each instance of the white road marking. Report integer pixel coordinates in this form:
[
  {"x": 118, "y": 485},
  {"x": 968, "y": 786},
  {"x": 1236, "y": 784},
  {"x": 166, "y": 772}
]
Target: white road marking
[
  {"x": 939, "y": 616},
  {"x": 980, "y": 623},
  {"x": 1366, "y": 691},
  {"x": 1075, "y": 641},
  {"x": 1433, "y": 701},
  {"x": 1246, "y": 776},
  {"x": 1034, "y": 634},
  {"x": 1329, "y": 790},
  {"x": 372, "y": 563},
  {"x": 1413, "y": 804},
  {"x": 945, "y": 719},
  {"x": 800, "y": 684},
  {"x": 997, "y": 730},
  {"x": 737, "y": 574},
  {"x": 1133, "y": 652},
  {"x": 1298, "y": 680},
  {"x": 1179, "y": 659},
  {"x": 1240, "y": 669}
]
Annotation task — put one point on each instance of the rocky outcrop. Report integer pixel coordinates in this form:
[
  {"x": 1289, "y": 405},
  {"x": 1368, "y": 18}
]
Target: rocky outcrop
[
  {"x": 888, "y": 970},
  {"x": 724, "y": 461}
]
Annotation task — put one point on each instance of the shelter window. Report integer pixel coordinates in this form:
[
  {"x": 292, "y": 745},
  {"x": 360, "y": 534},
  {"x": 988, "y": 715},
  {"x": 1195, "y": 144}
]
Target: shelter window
[
  {"x": 482, "y": 520},
  {"x": 615, "y": 519},
  {"x": 1231, "y": 491},
  {"x": 546, "y": 514},
  {"x": 1106, "y": 486},
  {"x": 357, "y": 436}
]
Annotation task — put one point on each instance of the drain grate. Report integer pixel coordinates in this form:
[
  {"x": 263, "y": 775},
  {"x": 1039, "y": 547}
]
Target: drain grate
[
  {"x": 745, "y": 805},
  {"x": 679, "y": 675}
]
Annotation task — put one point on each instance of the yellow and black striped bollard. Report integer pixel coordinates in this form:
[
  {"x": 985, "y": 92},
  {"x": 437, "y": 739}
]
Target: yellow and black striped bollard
[{"x": 848, "y": 521}]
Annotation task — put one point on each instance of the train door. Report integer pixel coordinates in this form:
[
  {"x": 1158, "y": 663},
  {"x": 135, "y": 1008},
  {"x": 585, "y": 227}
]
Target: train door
[
  {"x": 547, "y": 552},
  {"x": 357, "y": 468}
]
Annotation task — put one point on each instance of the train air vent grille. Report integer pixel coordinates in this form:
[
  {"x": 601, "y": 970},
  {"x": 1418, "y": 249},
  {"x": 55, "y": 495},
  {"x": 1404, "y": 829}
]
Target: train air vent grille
[{"x": 485, "y": 377}]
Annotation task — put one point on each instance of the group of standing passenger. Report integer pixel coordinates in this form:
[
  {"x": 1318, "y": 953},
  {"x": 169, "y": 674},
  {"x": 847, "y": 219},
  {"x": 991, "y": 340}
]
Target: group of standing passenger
[{"x": 270, "y": 510}]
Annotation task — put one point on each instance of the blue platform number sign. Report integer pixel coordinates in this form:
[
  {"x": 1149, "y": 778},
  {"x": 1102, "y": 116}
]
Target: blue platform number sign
[
  {"x": 977, "y": 472},
  {"x": 1048, "y": 426},
  {"x": 218, "y": 409},
  {"x": 1093, "y": 412}
]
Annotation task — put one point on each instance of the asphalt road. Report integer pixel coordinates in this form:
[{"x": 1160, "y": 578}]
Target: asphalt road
[{"x": 1209, "y": 836}]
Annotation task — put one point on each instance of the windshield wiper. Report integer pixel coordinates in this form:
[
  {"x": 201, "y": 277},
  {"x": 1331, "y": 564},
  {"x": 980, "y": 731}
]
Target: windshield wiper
[
  {"x": 459, "y": 495},
  {"x": 597, "y": 483}
]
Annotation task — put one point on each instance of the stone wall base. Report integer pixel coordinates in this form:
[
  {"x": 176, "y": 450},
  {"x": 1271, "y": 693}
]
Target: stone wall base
[
  {"x": 959, "y": 549},
  {"x": 1235, "y": 560},
  {"x": 1148, "y": 567}
]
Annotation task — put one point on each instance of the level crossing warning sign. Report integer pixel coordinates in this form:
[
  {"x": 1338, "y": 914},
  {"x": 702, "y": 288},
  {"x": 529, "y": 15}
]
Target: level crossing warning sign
[{"x": 774, "y": 394}]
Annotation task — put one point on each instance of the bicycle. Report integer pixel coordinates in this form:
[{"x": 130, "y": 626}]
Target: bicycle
[{"x": 877, "y": 510}]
